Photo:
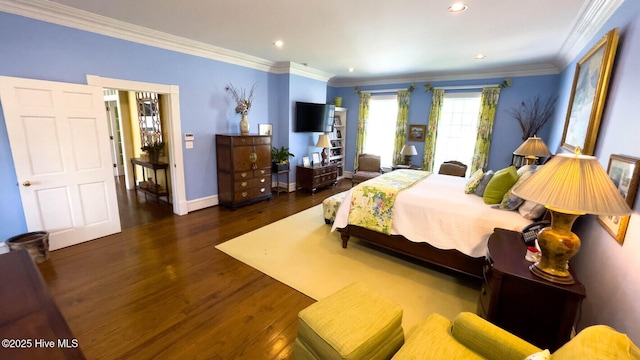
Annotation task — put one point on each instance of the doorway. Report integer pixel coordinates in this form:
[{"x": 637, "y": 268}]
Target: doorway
[
  {"x": 171, "y": 107},
  {"x": 123, "y": 108}
]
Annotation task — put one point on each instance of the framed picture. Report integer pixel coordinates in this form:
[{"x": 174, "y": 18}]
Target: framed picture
[
  {"x": 316, "y": 158},
  {"x": 265, "y": 129},
  {"x": 305, "y": 161},
  {"x": 588, "y": 93},
  {"x": 625, "y": 173},
  {"x": 417, "y": 132}
]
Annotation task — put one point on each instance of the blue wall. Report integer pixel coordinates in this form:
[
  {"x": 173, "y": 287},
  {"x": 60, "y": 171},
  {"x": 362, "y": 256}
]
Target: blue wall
[
  {"x": 506, "y": 131},
  {"x": 609, "y": 271}
]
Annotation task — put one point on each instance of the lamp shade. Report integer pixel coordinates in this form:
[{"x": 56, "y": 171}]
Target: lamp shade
[
  {"x": 323, "y": 141},
  {"x": 533, "y": 146},
  {"x": 574, "y": 184},
  {"x": 408, "y": 150}
]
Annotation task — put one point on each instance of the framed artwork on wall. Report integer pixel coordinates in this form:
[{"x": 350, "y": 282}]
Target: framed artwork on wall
[
  {"x": 624, "y": 171},
  {"x": 588, "y": 94},
  {"x": 417, "y": 132}
]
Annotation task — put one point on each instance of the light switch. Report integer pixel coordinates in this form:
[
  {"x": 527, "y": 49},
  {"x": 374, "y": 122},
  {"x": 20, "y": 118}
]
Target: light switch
[
  {"x": 189, "y": 137},
  {"x": 189, "y": 144}
]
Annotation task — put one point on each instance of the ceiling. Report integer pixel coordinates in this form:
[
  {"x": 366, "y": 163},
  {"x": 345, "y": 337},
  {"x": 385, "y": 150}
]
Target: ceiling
[{"x": 378, "y": 38}]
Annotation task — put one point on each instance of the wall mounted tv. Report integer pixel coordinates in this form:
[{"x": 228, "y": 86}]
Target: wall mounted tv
[{"x": 312, "y": 117}]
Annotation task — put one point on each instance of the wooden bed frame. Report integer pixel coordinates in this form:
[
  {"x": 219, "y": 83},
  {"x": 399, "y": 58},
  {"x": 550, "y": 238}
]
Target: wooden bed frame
[{"x": 450, "y": 259}]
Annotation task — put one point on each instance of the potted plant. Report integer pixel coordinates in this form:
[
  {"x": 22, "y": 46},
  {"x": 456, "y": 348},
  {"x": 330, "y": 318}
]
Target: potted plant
[
  {"x": 280, "y": 158},
  {"x": 153, "y": 150}
]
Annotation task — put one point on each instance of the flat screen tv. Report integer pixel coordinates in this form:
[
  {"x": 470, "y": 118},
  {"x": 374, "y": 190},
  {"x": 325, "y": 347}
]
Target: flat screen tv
[{"x": 312, "y": 117}]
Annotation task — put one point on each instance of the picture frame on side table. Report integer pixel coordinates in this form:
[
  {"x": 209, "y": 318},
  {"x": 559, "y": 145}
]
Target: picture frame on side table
[
  {"x": 265, "y": 129},
  {"x": 417, "y": 132},
  {"x": 588, "y": 94},
  {"x": 625, "y": 173},
  {"x": 315, "y": 157},
  {"x": 305, "y": 161}
]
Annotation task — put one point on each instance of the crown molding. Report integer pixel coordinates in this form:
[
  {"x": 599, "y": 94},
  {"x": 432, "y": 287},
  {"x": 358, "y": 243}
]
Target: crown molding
[
  {"x": 592, "y": 17},
  {"x": 498, "y": 72},
  {"x": 55, "y": 13},
  {"x": 288, "y": 67}
]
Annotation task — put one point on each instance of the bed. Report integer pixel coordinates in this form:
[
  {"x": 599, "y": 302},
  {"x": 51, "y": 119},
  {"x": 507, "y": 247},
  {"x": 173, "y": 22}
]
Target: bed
[{"x": 435, "y": 221}]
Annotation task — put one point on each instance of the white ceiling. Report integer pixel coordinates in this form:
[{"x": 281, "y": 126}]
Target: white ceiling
[{"x": 378, "y": 38}]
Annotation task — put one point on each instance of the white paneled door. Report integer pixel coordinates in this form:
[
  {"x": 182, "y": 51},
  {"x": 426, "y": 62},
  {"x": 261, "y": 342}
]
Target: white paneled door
[{"x": 60, "y": 145}]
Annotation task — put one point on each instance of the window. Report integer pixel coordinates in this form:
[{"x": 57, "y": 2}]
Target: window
[
  {"x": 381, "y": 127},
  {"x": 457, "y": 129}
]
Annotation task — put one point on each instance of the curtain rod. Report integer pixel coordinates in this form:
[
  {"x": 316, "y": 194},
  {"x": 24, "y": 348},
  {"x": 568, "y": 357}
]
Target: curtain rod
[
  {"x": 466, "y": 87},
  {"x": 383, "y": 91}
]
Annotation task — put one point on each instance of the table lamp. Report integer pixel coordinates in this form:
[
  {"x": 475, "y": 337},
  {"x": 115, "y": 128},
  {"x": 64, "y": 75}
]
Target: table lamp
[
  {"x": 408, "y": 151},
  {"x": 323, "y": 142},
  {"x": 532, "y": 149},
  {"x": 569, "y": 185}
]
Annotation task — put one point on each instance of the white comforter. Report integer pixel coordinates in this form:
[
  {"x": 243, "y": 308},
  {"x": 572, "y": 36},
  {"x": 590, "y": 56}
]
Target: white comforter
[{"x": 437, "y": 211}]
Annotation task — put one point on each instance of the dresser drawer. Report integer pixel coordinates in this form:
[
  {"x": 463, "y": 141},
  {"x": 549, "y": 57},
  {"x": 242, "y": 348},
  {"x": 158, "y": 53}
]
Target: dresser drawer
[
  {"x": 244, "y": 184},
  {"x": 250, "y": 193}
]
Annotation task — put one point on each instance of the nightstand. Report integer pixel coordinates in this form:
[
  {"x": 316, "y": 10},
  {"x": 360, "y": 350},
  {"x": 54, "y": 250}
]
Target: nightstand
[{"x": 518, "y": 301}]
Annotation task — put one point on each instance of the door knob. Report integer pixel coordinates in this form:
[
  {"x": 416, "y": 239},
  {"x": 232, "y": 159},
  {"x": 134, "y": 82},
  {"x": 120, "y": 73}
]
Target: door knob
[{"x": 26, "y": 183}]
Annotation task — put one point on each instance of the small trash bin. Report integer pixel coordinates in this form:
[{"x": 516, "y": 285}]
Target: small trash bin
[{"x": 36, "y": 243}]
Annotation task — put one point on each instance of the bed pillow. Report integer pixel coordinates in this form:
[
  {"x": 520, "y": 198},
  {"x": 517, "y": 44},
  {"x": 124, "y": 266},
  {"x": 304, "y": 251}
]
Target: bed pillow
[
  {"x": 510, "y": 201},
  {"x": 531, "y": 210},
  {"x": 483, "y": 183},
  {"x": 473, "y": 182},
  {"x": 499, "y": 184}
]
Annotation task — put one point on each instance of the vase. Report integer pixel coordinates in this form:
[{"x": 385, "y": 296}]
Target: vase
[
  {"x": 244, "y": 125},
  {"x": 154, "y": 156}
]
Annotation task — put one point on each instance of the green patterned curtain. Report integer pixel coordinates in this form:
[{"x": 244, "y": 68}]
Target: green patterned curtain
[
  {"x": 363, "y": 115},
  {"x": 432, "y": 130},
  {"x": 488, "y": 105},
  {"x": 401, "y": 125}
]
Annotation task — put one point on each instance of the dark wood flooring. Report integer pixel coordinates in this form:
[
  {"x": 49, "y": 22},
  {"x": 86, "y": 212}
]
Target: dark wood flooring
[{"x": 160, "y": 289}]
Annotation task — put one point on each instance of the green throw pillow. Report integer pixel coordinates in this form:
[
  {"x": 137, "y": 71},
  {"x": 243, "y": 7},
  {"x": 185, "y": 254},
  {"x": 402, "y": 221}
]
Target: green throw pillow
[
  {"x": 499, "y": 184},
  {"x": 473, "y": 182}
]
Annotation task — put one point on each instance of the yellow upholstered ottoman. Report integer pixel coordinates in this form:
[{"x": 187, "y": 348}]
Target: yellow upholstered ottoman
[
  {"x": 353, "y": 323},
  {"x": 330, "y": 206}
]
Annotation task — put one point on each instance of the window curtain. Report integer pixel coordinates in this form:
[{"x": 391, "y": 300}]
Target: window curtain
[
  {"x": 401, "y": 125},
  {"x": 363, "y": 115},
  {"x": 432, "y": 130},
  {"x": 488, "y": 105}
]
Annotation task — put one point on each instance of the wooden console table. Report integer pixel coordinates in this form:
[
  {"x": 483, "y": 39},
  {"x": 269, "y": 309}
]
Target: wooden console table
[
  {"x": 31, "y": 325},
  {"x": 154, "y": 189}
]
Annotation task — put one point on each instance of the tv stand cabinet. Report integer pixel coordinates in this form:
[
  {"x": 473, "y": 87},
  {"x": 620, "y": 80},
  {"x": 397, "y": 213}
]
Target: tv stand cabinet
[{"x": 312, "y": 178}]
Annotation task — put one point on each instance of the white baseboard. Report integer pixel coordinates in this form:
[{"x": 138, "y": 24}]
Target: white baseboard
[{"x": 202, "y": 203}]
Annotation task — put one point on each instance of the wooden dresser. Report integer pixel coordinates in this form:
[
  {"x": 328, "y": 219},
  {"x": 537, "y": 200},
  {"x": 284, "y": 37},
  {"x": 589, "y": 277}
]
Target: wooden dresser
[
  {"x": 31, "y": 325},
  {"x": 244, "y": 169},
  {"x": 311, "y": 178}
]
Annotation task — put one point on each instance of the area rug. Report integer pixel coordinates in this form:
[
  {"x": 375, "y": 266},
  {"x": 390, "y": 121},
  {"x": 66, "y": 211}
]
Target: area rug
[{"x": 302, "y": 252}]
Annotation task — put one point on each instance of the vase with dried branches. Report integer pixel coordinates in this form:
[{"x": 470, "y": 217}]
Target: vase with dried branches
[
  {"x": 533, "y": 114},
  {"x": 243, "y": 104}
]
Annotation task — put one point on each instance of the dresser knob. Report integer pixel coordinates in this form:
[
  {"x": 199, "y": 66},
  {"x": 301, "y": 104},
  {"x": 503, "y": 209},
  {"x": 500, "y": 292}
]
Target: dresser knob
[
  {"x": 243, "y": 184},
  {"x": 262, "y": 180},
  {"x": 244, "y": 194},
  {"x": 262, "y": 172},
  {"x": 244, "y": 175},
  {"x": 262, "y": 190}
]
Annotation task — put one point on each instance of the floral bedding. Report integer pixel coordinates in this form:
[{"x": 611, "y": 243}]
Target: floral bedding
[{"x": 372, "y": 201}]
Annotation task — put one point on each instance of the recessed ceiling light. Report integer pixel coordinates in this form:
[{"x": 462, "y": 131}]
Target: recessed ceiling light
[
  {"x": 480, "y": 57},
  {"x": 351, "y": 69},
  {"x": 457, "y": 8},
  {"x": 278, "y": 43}
]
